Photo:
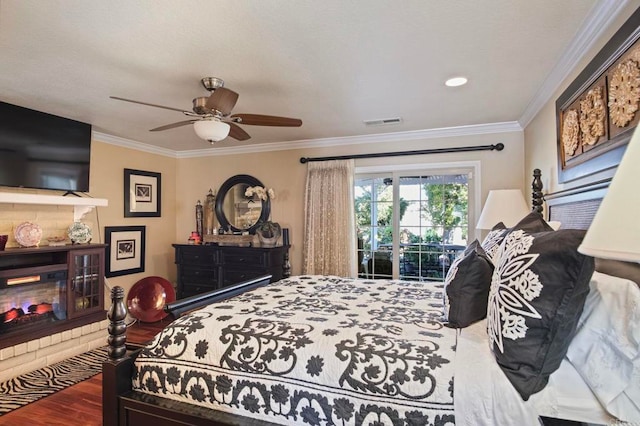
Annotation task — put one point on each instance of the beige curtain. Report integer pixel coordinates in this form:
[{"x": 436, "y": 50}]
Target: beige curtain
[{"x": 329, "y": 234}]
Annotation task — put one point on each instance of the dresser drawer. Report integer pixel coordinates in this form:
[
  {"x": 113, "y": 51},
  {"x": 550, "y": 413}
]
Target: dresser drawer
[
  {"x": 210, "y": 267},
  {"x": 244, "y": 258},
  {"x": 197, "y": 275},
  {"x": 198, "y": 256}
]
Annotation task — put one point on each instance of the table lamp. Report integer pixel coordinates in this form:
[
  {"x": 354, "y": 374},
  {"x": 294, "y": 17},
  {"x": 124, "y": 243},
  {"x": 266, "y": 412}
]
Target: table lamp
[
  {"x": 615, "y": 230},
  {"x": 503, "y": 205}
]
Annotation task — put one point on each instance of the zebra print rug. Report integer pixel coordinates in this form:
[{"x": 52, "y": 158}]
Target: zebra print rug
[{"x": 30, "y": 387}]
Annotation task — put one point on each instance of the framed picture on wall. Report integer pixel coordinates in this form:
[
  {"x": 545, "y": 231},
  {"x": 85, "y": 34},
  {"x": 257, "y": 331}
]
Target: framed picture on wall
[
  {"x": 125, "y": 251},
  {"x": 142, "y": 192}
]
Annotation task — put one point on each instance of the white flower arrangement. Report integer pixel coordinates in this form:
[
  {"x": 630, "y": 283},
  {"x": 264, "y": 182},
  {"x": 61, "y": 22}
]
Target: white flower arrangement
[{"x": 261, "y": 192}]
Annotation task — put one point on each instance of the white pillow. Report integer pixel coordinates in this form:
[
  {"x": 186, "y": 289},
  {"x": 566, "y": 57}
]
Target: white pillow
[{"x": 606, "y": 347}]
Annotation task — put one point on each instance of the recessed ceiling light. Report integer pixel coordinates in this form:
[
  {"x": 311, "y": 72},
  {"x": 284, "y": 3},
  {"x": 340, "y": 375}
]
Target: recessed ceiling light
[{"x": 456, "y": 81}]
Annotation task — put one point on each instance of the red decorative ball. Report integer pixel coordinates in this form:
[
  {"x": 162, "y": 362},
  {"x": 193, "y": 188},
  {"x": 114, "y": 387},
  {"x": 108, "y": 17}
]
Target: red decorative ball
[{"x": 147, "y": 298}]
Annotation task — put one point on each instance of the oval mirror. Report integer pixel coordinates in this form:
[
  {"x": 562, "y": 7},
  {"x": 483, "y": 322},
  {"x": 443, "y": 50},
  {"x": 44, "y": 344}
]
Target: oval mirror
[{"x": 237, "y": 212}]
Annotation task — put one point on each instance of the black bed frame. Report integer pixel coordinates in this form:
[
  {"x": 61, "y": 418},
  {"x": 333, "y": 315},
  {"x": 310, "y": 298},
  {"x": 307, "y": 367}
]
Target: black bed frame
[{"x": 121, "y": 405}]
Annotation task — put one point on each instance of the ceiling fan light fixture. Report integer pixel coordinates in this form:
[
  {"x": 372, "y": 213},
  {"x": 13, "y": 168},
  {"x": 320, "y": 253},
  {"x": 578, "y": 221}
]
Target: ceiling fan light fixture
[
  {"x": 211, "y": 116},
  {"x": 211, "y": 130}
]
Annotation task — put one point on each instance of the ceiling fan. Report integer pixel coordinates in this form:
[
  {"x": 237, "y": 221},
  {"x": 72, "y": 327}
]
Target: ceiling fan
[{"x": 211, "y": 116}]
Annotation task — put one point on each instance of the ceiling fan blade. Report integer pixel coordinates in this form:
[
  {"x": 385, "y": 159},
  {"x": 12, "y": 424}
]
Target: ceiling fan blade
[
  {"x": 223, "y": 100},
  {"x": 238, "y": 133},
  {"x": 267, "y": 120},
  {"x": 148, "y": 104},
  {"x": 172, "y": 125}
]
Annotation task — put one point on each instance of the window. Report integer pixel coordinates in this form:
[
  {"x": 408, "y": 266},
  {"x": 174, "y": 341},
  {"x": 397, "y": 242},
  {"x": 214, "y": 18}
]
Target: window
[{"x": 421, "y": 219}]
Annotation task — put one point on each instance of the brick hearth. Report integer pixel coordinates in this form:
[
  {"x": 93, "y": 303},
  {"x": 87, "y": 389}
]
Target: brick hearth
[{"x": 38, "y": 353}]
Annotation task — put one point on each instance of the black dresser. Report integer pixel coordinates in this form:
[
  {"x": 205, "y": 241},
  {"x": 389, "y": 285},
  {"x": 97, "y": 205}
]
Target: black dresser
[{"x": 203, "y": 268}]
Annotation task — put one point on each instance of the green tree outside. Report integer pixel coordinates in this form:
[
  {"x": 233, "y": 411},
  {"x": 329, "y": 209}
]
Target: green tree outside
[{"x": 447, "y": 207}]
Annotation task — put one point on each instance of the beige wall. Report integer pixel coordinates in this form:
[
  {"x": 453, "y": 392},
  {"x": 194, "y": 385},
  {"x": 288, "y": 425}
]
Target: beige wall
[
  {"x": 278, "y": 170},
  {"x": 282, "y": 171},
  {"x": 187, "y": 180},
  {"x": 107, "y": 181},
  {"x": 540, "y": 135}
]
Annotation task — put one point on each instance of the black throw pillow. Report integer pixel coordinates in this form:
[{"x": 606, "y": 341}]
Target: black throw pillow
[
  {"x": 466, "y": 287},
  {"x": 538, "y": 290},
  {"x": 532, "y": 222}
]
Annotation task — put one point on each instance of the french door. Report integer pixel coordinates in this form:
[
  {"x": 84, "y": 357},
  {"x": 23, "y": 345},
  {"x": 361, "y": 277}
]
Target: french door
[{"x": 411, "y": 225}]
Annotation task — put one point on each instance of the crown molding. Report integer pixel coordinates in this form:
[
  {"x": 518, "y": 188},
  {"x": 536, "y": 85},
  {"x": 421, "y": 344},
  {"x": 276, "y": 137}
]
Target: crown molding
[
  {"x": 445, "y": 132},
  {"x": 129, "y": 143},
  {"x": 602, "y": 15}
]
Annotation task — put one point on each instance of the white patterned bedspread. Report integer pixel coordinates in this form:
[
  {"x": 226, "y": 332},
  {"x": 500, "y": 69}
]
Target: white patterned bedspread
[{"x": 312, "y": 350}]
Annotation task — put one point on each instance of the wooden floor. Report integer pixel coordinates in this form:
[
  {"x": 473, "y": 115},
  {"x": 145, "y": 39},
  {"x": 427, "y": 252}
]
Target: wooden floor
[{"x": 80, "y": 404}]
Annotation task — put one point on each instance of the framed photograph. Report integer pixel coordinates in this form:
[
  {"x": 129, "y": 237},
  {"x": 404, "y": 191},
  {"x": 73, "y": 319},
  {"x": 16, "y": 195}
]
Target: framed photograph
[
  {"x": 125, "y": 251},
  {"x": 596, "y": 114},
  {"x": 141, "y": 193}
]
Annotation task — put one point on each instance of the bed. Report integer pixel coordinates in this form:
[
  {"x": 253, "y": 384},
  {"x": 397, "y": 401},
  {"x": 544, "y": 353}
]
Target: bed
[{"x": 330, "y": 350}]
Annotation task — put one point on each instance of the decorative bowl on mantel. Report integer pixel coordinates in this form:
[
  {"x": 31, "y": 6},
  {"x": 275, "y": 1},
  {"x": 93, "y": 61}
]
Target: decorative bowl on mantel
[
  {"x": 79, "y": 233},
  {"x": 28, "y": 234},
  {"x": 57, "y": 241}
]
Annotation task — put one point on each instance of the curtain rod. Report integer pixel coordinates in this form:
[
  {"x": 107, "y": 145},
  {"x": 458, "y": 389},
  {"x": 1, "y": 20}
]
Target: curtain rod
[{"x": 497, "y": 147}]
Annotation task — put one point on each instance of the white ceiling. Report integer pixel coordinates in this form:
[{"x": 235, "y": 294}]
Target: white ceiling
[{"x": 331, "y": 63}]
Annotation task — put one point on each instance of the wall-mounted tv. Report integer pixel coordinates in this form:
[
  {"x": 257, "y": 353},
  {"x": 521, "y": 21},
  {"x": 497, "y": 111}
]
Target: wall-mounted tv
[{"x": 39, "y": 150}]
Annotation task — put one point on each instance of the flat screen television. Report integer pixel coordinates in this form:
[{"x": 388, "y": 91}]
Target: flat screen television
[{"x": 39, "y": 150}]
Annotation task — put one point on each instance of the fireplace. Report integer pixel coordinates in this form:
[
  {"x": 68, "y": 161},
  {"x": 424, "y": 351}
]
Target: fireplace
[
  {"x": 47, "y": 290},
  {"x": 32, "y": 301}
]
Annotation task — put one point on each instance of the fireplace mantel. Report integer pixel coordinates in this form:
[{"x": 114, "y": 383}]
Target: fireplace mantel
[{"x": 81, "y": 205}]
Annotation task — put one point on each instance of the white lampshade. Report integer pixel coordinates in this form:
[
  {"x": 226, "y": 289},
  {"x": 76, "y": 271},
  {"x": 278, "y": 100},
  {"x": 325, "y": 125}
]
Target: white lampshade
[
  {"x": 503, "y": 205},
  {"x": 615, "y": 230},
  {"x": 211, "y": 130}
]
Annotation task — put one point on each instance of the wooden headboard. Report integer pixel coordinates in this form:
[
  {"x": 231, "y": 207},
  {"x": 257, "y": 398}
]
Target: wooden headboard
[{"x": 574, "y": 208}]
